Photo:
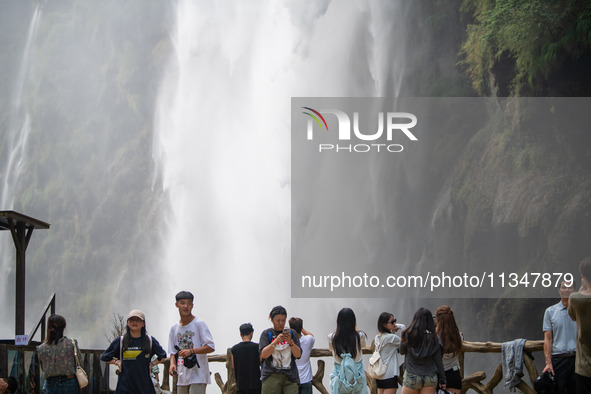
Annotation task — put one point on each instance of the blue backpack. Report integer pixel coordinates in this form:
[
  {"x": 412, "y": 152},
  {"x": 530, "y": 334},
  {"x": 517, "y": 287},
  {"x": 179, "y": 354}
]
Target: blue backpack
[{"x": 348, "y": 377}]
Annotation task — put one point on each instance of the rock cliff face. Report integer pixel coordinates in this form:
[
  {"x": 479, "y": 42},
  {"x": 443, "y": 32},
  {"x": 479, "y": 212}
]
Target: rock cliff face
[
  {"x": 520, "y": 201},
  {"x": 526, "y": 183},
  {"x": 88, "y": 93},
  {"x": 517, "y": 192}
]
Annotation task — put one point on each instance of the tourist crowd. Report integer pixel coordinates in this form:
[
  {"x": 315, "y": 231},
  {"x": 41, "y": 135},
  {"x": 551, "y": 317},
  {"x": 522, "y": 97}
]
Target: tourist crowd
[{"x": 280, "y": 362}]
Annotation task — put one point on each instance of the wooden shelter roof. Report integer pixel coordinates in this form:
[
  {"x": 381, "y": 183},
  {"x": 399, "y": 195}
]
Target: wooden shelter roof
[{"x": 16, "y": 217}]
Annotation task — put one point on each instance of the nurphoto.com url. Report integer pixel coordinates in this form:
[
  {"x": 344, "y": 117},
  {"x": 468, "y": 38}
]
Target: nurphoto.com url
[{"x": 441, "y": 280}]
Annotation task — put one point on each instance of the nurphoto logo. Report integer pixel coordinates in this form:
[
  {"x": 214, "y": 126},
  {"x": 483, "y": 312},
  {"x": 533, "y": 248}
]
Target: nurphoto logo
[{"x": 381, "y": 140}]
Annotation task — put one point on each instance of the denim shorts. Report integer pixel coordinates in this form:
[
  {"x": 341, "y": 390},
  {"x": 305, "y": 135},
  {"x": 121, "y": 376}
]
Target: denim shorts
[
  {"x": 416, "y": 382},
  {"x": 61, "y": 385}
]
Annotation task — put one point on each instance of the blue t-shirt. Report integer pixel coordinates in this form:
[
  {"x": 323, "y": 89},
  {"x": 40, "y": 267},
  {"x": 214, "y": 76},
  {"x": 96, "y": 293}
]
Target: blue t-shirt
[
  {"x": 564, "y": 329},
  {"x": 135, "y": 366}
]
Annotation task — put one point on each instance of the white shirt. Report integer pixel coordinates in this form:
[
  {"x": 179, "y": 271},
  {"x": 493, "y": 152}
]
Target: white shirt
[
  {"x": 358, "y": 357},
  {"x": 191, "y": 336},
  {"x": 303, "y": 363},
  {"x": 389, "y": 344}
]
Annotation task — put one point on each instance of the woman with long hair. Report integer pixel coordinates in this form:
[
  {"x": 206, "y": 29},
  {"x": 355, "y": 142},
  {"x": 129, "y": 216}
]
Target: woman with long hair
[
  {"x": 451, "y": 338},
  {"x": 346, "y": 344},
  {"x": 57, "y": 358},
  {"x": 132, "y": 354},
  {"x": 279, "y": 347},
  {"x": 388, "y": 342},
  {"x": 423, "y": 351}
]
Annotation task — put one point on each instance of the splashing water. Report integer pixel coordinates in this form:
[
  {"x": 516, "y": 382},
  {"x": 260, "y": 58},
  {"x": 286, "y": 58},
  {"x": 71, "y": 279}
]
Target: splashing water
[
  {"x": 15, "y": 154},
  {"x": 222, "y": 145}
]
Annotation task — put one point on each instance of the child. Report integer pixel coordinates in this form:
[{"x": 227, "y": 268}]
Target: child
[{"x": 132, "y": 354}]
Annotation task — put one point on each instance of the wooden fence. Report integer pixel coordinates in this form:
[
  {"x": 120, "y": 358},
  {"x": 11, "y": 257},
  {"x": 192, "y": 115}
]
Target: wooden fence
[
  {"x": 472, "y": 382},
  {"x": 22, "y": 361}
]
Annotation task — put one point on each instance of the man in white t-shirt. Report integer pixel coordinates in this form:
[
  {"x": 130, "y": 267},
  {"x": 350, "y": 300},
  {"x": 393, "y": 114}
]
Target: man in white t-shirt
[
  {"x": 188, "y": 337},
  {"x": 306, "y": 343}
]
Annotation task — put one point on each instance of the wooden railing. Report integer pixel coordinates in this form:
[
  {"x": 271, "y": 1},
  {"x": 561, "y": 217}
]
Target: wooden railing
[
  {"x": 471, "y": 382},
  {"x": 474, "y": 381},
  {"x": 49, "y": 307},
  {"x": 21, "y": 363},
  {"x": 98, "y": 371}
]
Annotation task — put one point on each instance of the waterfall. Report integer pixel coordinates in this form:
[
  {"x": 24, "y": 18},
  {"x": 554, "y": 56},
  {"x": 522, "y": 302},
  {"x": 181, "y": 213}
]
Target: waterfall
[
  {"x": 14, "y": 152},
  {"x": 222, "y": 145}
]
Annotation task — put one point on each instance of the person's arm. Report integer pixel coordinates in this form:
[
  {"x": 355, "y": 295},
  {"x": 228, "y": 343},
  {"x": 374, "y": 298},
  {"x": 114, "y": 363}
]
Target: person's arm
[
  {"x": 402, "y": 349},
  {"x": 268, "y": 350},
  {"x": 3, "y": 386},
  {"x": 295, "y": 350},
  {"x": 207, "y": 346},
  {"x": 157, "y": 352},
  {"x": 548, "y": 352},
  {"x": 571, "y": 309},
  {"x": 205, "y": 349},
  {"x": 440, "y": 370},
  {"x": 109, "y": 355},
  {"x": 171, "y": 350},
  {"x": 306, "y": 332},
  {"x": 362, "y": 338},
  {"x": 172, "y": 368},
  {"x": 294, "y": 345}
]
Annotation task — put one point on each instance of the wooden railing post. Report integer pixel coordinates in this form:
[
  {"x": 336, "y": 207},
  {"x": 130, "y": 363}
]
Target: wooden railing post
[{"x": 230, "y": 386}]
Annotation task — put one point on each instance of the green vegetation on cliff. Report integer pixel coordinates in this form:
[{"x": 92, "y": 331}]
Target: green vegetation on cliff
[{"x": 526, "y": 47}]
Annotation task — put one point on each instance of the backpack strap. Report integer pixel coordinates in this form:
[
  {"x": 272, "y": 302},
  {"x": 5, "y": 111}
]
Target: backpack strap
[{"x": 379, "y": 343}]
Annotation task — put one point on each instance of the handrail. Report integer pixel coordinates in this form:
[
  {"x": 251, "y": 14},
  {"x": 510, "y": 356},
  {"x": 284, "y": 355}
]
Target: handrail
[
  {"x": 474, "y": 381},
  {"x": 49, "y": 304}
]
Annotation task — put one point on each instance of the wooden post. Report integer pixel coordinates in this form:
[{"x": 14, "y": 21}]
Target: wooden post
[
  {"x": 230, "y": 386},
  {"x": 21, "y": 239},
  {"x": 21, "y": 228}
]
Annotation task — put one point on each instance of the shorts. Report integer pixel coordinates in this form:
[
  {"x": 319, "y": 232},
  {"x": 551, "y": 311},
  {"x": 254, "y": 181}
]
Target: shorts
[
  {"x": 61, "y": 384},
  {"x": 391, "y": 383},
  {"x": 279, "y": 383},
  {"x": 454, "y": 379},
  {"x": 195, "y": 388},
  {"x": 416, "y": 382}
]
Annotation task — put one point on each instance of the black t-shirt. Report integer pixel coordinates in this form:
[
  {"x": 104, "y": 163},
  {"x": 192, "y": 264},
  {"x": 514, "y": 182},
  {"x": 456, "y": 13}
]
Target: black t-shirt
[
  {"x": 247, "y": 365},
  {"x": 135, "y": 367}
]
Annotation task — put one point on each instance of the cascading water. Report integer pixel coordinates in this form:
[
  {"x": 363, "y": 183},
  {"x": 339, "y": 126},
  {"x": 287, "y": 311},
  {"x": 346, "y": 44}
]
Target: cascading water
[
  {"x": 222, "y": 144},
  {"x": 221, "y": 147},
  {"x": 14, "y": 153}
]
